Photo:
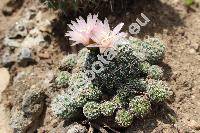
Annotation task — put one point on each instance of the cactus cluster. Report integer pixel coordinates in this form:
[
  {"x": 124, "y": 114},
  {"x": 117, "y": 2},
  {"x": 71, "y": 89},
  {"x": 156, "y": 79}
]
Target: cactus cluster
[{"x": 125, "y": 88}]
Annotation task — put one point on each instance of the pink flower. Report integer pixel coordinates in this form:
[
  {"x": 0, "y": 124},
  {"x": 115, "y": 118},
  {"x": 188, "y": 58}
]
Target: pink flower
[
  {"x": 104, "y": 36},
  {"x": 94, "y": 33},
  {"x": 81, "y": 30}
]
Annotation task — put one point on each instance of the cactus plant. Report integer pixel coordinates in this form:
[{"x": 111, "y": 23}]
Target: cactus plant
[
  {"x": 68, "y": 62},
  {"x": 62, "y": 78},
  {"x": 124, "y": 118},
  {"x": 157, "y": 91},
  {"x": 91, "y": 110},
  {"x": 125, "y": 79},
  {"x": 155, "y": 72},
  {"x": 139, "y": 106},
  {"x": 63, "y": 106},
  {"x": 108, "y": 108}
]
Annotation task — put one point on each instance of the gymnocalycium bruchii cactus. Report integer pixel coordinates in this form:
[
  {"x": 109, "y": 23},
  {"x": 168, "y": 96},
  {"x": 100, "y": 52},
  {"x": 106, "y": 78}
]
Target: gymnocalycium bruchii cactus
[
  {"x": 117, "y": 77},
  {"x": 62, "y": 78}
]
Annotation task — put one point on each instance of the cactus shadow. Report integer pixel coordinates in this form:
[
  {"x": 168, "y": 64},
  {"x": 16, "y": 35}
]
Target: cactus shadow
[
  {"x": 162, "y": 113},
  {"x": 167, "y": 71},
  {"x": 165, "y": 114}
]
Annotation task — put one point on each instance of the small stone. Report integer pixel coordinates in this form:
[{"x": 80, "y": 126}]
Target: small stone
[
  {"x": 4, "y": 123},
  {"x": 76, "y": 128},
  {"x": 10, "y": 6},
  {"x": 45, "y": 26},
  {"x": 195, "y": 46},
  {"x": 30, "y": 14},
  {"x": 36, "y": 39},
  {"x": 7, "y": 59},
  {"x": 25, "y": 57},
  {"x": 12, "y": 42},
  {"x": 44, "y": 55},
  {"x": 49, "y": 77},
  {"x": 18, "y": 31},
  {"x": 192, "y": 51},
  {"x": 26, "y": 118}
]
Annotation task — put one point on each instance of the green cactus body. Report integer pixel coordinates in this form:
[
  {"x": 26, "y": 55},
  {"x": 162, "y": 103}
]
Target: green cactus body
[
  {"x": 68, "y": 62},
  {"x": 139, "y": 106},
  {"x": 144, "y": 67},
  {"x": 123, "y": 66},
  {"x": 63, "y": 78},
  {"x": 63, "y": 106},
  {"x": 119, "y": 101},
  {"x": 134, "y": 85},
  {"x": 92, "y": 92},
  {"x": 92, "y": 110},
  {"x": 155, "y": 50},
  {"x": 155, "y": 72},
  {"x": 123, "y": 118},
  {"x": 108, "y": 108},
  {"x": 152, "y": 49},
  {"x": 157, "y": 91}
]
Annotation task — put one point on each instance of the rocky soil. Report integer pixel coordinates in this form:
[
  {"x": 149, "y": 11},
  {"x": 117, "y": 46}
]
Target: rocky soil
[{"x": 32, "y": 43}]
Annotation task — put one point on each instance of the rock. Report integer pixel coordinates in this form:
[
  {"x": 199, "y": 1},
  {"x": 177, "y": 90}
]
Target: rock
[
  {"x": 19, "y": 122},
  {"x": 73, "y": 128},
  {"x": 76, "y": 128},
  {"x": 25, "y": 57},
  {"x": 4, "y": 123},
  {"x": 195, "y": 46},
  {"x": 4, "y": 81},
  {"x": 11, "y": 6},
  {"x": 30, "y": 33},
  {"x": 49, "y": 77},
  {"x": 45, "y": 26},
  {"x": 16, "y": 34},
  {"x": 26, "y": 119},
  {"x": 33, "y": 102},
  {"x": 12, "y": 42},
  {"x": 35, "y": 39},
  {"x": 8, "y": 59},
  {"x": 44, "y": 55},
  {"x": 30, "y": 14},
  {"x": 18, "y": 31},
  {"x": 192, "y": 51}
]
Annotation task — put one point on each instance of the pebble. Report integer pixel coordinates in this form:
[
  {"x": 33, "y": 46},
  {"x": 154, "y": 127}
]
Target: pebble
[
  {"x": 44, "y": 55},
  {"x": 10, "y": 6},
  {"x": 195, "y": 46},
  {"x": 25, "y": 57},
  {"x": 7, "y": 59},
  {"x": 192, "y": 51}
]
